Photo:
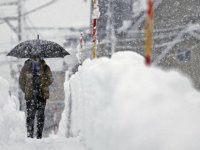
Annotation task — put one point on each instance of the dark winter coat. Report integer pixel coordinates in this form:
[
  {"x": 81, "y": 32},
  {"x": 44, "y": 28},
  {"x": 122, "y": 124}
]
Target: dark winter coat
[{"x": 26, "y": 79}]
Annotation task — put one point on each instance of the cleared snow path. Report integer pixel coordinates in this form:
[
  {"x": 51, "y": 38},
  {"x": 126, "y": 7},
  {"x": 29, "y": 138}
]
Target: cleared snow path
[
  {"x": 13, "y": 130},
  {"x": 53, "y": 143}
]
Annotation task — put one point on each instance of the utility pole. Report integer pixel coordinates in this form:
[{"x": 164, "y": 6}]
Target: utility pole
[
  {"x": 110, "y": 30},
  {"x": 19, "y": 20},
  {"x": 19, "y": 35},
  {"x": 17, "y": 29}
]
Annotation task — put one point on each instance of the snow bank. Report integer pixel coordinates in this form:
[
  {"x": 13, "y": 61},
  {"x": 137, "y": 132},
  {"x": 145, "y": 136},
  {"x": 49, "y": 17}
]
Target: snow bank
[
  {"x": 120, "y": 104},
  {"x": 12, "y": 124}
]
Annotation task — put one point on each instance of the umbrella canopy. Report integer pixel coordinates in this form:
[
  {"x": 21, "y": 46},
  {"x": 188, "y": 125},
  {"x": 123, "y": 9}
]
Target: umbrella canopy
[{"x": 42, "y": 48}]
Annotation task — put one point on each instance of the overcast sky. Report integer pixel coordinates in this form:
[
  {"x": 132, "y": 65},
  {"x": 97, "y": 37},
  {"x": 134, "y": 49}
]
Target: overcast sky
[{"x": 63, "y": 13}]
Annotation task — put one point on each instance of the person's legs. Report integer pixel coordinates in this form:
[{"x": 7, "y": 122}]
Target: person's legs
[
  {"x": 31, "y": 111},
  {"x": 40, "y": 117}
]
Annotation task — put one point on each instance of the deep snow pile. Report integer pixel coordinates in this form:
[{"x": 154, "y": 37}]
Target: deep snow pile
[
  {"x": 120, "y": 104},
  {"x": 12, "y": 124}
]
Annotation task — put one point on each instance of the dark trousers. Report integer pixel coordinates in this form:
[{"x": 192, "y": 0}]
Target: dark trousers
[{"x": 35, "y": 108}]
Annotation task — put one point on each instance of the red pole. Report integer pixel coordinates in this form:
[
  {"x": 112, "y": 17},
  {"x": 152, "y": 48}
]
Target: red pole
[
  {"x": 94, "y": 33},
  {"x": 95, "y": 16},
  {"x": 149, "y": 28}
]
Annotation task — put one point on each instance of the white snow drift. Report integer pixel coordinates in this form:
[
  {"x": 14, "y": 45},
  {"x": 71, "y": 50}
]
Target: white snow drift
[
  {"x": 12, "y": 124},
  {"x": 120, "y": 104}
]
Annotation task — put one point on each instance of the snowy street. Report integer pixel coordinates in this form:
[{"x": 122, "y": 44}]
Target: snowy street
[
  {"x": 46, "y": 144},
  {"x": 99, "y": 75}
]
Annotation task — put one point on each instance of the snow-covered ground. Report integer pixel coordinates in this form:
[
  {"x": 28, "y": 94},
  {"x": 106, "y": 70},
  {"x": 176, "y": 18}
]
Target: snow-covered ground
[
  {"x": 117, "y": 104},
  {"x": 53, "y": 143}
]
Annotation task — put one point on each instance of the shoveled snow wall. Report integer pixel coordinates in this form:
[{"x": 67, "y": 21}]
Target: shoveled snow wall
[
  {"x": 121, "y": 104},
  {"x": 12, "y": 121}
]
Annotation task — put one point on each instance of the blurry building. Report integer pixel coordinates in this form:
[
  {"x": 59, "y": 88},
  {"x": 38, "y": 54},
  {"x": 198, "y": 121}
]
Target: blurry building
[
  {"x": 113, "y": 14},
  {"x": 176, "y": 34},
  {"x": 175, "y": 37}
]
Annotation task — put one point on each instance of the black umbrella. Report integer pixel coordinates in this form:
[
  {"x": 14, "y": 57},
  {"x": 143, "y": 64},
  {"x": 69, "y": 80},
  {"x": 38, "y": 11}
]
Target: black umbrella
[{"x": 42, "y": 48}]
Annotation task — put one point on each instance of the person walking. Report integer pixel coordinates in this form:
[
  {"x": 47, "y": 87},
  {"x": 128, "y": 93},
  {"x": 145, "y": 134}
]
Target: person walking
[{"x": 34, "y": 80}]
